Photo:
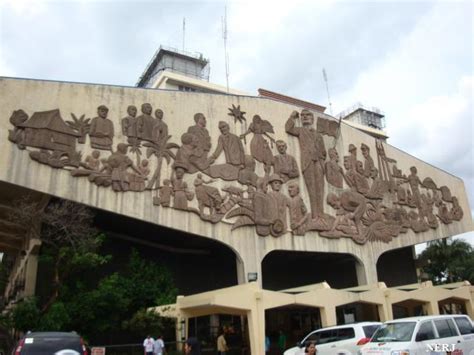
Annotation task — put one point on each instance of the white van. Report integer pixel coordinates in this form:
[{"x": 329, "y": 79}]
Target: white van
[{"x": 446, "y": 334}]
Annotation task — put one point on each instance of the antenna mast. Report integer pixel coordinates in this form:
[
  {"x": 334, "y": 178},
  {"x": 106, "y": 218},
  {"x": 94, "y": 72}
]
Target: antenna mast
[
  {"x": 184, "y": 30},
  {"x": 224, "y": 36},
  {"x": 327, "y": 89}
]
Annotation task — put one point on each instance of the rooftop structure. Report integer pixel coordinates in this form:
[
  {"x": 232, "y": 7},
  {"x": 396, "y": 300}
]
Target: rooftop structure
[
  {"x": 368, "y": 119},
  {"x": 177, "y": 61}
]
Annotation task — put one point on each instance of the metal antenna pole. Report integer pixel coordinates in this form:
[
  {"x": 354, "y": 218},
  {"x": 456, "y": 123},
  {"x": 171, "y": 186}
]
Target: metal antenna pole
[
  {"x": 327, "y": 90},
  {"x": 184, "y": 30},
  {"x": 226, "y": 54}
]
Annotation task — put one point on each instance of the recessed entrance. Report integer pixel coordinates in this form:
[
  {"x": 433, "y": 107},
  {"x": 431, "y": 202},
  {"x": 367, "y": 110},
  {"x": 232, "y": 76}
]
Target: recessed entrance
[{"x": 285, "y": 269}]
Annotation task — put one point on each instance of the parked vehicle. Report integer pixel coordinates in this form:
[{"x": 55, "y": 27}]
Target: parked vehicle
[
  {"x": 442, "y": 334},
  {"x": 342, "y": 339},
  {"x": 51, "y": 343}
]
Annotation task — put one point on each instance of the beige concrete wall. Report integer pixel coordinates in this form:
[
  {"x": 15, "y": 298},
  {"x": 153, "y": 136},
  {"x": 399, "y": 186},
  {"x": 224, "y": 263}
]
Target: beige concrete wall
[{"x": 33, "y": 95}]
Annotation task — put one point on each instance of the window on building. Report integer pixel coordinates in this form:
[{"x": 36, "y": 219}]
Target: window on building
[{"x": 186, "y": 88}]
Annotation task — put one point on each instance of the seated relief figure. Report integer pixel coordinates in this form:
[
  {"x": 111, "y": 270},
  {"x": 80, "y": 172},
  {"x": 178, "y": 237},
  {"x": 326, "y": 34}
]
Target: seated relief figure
[{"x": 234, "y": 153}]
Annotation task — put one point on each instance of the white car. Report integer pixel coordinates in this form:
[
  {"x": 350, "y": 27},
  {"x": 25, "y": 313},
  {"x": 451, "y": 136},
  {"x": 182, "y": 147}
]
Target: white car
[
  {"x": 338, "y": 340},
  {"x": 442, "y": 334}
]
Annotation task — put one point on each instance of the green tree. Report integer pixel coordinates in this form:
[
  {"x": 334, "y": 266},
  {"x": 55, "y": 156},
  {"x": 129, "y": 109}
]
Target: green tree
[{"x": 448, "y": 260}]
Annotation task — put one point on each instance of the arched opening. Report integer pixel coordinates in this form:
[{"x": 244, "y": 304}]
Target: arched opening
[
  {"x": 397, "y": 267},
  {"x": 186, "y": 256},
  {"x": 286, "y": 269}
]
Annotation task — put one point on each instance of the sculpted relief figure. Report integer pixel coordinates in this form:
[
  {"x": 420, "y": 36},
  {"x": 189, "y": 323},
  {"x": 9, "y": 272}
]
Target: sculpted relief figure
[
  {"x": 17, "y": 135},
  {"x": 298, "y": 212},
  {"x": 119, "y": 163},
  {"x": 334, "y": 172},
  {"x": 137, "y": 181},
  {"x": 263, "y": 207},
  {"x": 415, "y": 183},
  {"x": 313, "y": 155},
  {"x": 160, "y": 130},
  {"x": 247, "y": 175},
  {"x": 369, "y": 165},
  {"x": 203, "y": 142},
  {"x": 189, "y": 149},
  {"x": 350, "y": 206},
  {"x": 146, "y": 123},
  {"x": 165, "y": 193},
  {"x": 181, "y": 194},
  {"x": 456, "y": 211},
  {"x": 280, "y": 203},
  {"x": 129, "y": 124},
  {"x": 234, "y": 155},
  {"x": 284, "y": 164},
  {"x": 102, "y": 130},
  {"x": 355, "y": 172},
  {"x": 207, "y": 196},
  {"x": 259, "y": 147},
  {"x": 92, "y": 161}
]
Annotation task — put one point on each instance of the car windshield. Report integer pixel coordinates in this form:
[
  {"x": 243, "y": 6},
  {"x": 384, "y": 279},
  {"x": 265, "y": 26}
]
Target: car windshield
[
  {"x": 52, "y": 345},
  {"x": 400, "y": 331}
]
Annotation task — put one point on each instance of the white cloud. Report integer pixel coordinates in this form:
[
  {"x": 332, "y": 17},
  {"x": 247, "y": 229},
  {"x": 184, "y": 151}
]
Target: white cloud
[{"x": 425, "y": 87}]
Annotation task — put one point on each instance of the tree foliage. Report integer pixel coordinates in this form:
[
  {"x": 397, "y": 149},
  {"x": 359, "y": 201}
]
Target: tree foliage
[
  {"x": 84, "y": 296},
  {"x": 447, "y": 260}
]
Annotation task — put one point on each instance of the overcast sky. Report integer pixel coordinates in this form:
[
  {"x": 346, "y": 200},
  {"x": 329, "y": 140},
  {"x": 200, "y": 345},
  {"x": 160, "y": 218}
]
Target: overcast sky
[{"x": 413, "y": 60}]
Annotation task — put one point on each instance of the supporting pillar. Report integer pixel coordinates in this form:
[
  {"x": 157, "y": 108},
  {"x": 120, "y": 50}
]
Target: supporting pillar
[
  {"x": 247, "y": 264},
  {"x": 328, "y": 316},
  {"x": 256, "y": 322},
  {"x": 382, "y": 312},
  {"x": 366, "y": 271},
  {"x": 469, "y": 308},
  {"x": 431, "y": 308},
  {"x": 30, "y": 275}
]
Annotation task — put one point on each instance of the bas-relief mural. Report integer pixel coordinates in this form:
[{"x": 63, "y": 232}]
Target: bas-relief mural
[{"x": 368, "y": 200}]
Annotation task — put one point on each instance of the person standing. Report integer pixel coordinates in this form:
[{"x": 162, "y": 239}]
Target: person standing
[
  {"x": 148, "y": 345},
  {"x": 282, "y": 341},
  {"x": 159, "y": 346},
  {"x": 222, "y": 344}
]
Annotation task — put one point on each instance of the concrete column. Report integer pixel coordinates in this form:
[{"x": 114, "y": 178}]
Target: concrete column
[
  {"x": 30, "y": 275},
  {"x": 469, "y": 308},
  {"x": 241, "y": 277},
  {"x": 431, "y": 308},
  {"x": 248, "y": 263},
  {"x": 388, "y": 308},
  {"x": 382, "y": 312},
  {"x": 328, "y": 316},
  {"x": 366, "y": 271},
  {"x": 256, "y": 322}
]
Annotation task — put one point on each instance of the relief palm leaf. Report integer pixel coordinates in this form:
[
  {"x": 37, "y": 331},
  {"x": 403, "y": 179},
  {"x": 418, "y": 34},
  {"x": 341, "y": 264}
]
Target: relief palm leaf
[
  {"x": 160, "y": 150},
  {"x": 81, "y": 125}
]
